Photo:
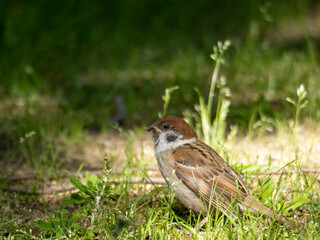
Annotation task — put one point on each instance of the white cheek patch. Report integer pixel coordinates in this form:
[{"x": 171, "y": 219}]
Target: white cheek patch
[{"x": 162, "y": 143}]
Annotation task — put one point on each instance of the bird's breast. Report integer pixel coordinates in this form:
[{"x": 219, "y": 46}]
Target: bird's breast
[
  {"x": 166, "y": 165},
  {"x": 182, "y": 192}
]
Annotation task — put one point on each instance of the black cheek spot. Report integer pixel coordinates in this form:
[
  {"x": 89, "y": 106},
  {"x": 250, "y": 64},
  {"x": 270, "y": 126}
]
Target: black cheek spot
[{"x": 171, "y": 138}]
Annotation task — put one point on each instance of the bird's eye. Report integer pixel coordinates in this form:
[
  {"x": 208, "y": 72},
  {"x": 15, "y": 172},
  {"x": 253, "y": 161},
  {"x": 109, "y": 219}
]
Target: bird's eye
[{"x": 166, "y": 126}]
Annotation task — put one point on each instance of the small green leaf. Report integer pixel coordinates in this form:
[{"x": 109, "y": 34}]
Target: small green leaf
[
  {"x": 85, "y": 210},
  {"x": 267, "y": 190},
  {"x": 75, "y": 216},
  {"x": 304, "y": 104},
  {"x": 290, "y": 100},
  {"x": 75, "y": 182},
  {"x": 213, "y": 56},
  {"x": 297, "y": 201},
  {"x": 63, "y": 214},
  {"x": 303, "y": 95},
  {"x": 45, "y": 225},
  {"x": 92, "y": 179},
  {"x": 74, "y": 198}
]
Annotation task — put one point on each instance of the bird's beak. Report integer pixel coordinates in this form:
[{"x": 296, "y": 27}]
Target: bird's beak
[{"x": 152, "y": 129}]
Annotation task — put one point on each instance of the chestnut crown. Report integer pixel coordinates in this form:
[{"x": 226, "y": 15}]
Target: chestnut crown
[{"x": 175, "y": 124}]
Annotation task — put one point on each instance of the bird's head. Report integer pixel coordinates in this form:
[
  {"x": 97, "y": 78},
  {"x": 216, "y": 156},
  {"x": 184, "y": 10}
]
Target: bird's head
[{"x": 171, "y": 129}]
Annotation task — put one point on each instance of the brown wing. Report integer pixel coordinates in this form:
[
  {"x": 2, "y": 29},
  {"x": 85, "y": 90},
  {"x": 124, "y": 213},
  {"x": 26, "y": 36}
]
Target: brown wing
[{"x": 207, "y": 174}]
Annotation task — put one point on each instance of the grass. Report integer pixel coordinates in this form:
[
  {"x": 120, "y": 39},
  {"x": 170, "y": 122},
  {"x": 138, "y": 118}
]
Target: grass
[
  {"x": 124, "y": 212},
  {"x": 44, "y": 143},
  {"x": 51, "y": 127}
]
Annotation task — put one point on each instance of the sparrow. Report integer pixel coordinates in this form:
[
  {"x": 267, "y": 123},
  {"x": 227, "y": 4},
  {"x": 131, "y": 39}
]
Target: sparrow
[{"x": 201, "y": 179}]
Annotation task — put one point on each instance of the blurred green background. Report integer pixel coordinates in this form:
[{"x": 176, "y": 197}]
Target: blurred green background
[
  {"x": 71, "y": 69},
  {"x": 76, "y": 57}
]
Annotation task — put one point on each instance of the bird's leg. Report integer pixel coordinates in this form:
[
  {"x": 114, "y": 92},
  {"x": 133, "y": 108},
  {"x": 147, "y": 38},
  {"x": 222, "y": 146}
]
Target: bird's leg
[{"x": 203, "y": 222}]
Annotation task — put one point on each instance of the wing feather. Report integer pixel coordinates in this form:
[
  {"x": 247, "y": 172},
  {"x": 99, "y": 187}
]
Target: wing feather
[{"x": 208, "y": 175}]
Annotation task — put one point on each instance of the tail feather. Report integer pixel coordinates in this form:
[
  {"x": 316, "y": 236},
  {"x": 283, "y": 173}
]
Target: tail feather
[{"x": 254, "y": 206}]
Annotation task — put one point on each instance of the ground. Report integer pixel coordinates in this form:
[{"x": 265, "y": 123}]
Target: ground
[{"x": 273, "y": 149}]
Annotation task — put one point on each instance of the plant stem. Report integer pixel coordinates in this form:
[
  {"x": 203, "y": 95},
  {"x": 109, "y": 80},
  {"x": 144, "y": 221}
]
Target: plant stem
[
  {"x": 296, "y": 122},
  {"x": 212, "y": 87}
]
